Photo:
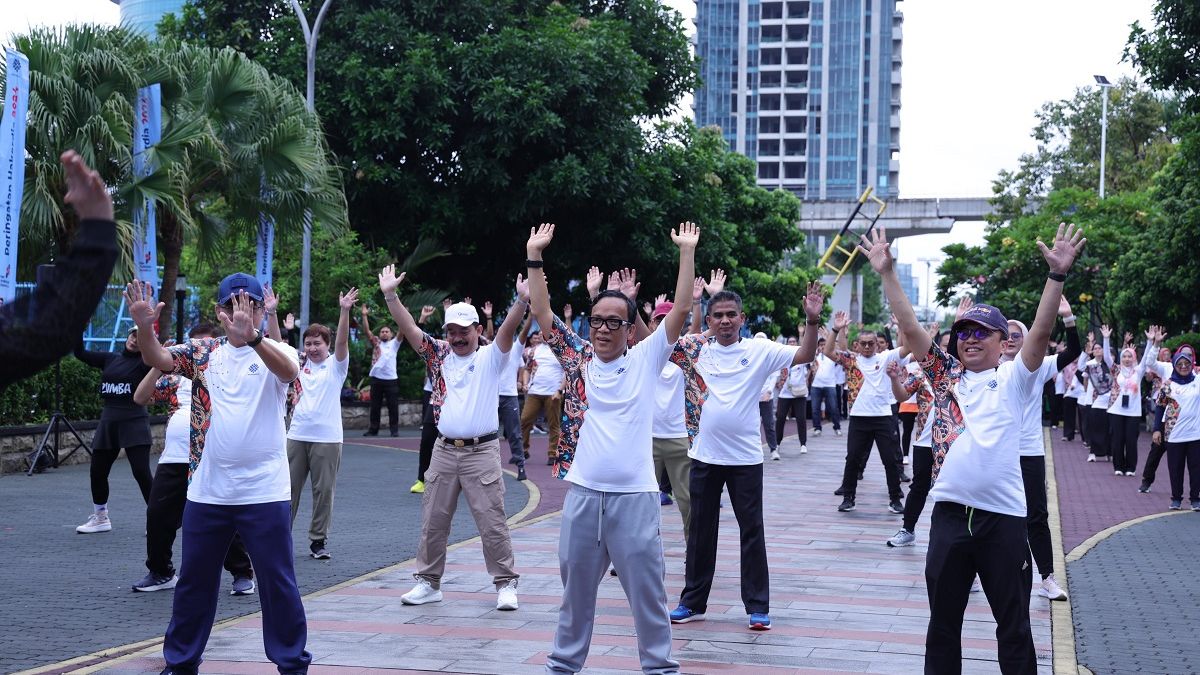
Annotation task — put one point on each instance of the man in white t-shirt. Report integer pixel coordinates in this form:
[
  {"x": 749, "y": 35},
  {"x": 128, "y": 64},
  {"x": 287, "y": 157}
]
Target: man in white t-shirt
[
  {"x": 239, "y": 472},
  {"x": 466, "y": 457},
  {"x": 611, "y": 511},
  {"x": 978, "y": 522},
  {"x": 728, "y": 448},
  {"x": 825, "y": 391},
  {"x": 315, "y": 438},
  {"x": 385, "y": 385}
]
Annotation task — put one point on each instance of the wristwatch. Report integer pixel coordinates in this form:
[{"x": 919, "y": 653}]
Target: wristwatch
[{"x": 258, "y": 338}]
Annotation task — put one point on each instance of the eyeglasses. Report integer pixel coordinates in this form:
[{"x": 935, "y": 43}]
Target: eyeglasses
[
  {"x": 1015, "y": 335},
  {"x": 980, "y": 333},
  {"x": 611, "y": 324}
]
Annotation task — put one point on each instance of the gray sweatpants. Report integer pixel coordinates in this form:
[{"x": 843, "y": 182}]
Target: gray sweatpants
[{"x": 621, "y": 527}]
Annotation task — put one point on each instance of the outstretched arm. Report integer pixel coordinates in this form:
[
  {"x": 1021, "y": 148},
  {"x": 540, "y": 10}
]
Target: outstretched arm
[
  {"x": 504, "y": 336},
  {"x": 388, "y": 283},
  {"x": 880, "y": 255},
  {"x": 341, "y": 349},
  {"x": 1073, "y": 348},
  {"x": 145, "y": 389},
  {"x": 840, "y": 321},
  {"x": 270, "y": 307},
  {"x": 687, "y": 237},
  {"x": 814, "y": 304},
  {"x": 139, "y": 301},
  {"x": 366, "y": 324},
  {"x": 1106, "y": 332},
  {"x": 1067, "y": 245},
  {"x": 539, "y": 294}
]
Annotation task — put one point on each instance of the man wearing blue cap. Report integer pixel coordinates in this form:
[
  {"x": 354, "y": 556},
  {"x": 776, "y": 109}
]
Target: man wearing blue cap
[
  {"x": 238, "y": 470},
  {"x": 978, "y": 522}
]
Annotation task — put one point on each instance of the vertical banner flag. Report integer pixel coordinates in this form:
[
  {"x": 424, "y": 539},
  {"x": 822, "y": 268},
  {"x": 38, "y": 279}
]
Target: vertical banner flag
[
  {"x": 12, "y": 167},
  {"x": 266, "y": 249},
  {"x": 147, "y": 132}
]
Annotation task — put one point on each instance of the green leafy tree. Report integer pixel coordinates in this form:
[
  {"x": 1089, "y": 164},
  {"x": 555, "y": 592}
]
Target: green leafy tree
[{"x": 1166, "y": 54}]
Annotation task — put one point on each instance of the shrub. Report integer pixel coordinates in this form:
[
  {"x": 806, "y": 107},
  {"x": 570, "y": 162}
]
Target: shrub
[{"x": 31, "y": 401}]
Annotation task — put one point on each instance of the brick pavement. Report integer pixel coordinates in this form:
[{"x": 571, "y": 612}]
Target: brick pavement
[
  {"x": 842, "y": 601},
  {"x": 68, "y": 594}
]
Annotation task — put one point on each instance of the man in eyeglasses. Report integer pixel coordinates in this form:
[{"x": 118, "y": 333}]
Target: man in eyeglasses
[
  {"x": 465, "y": 378},
  {"x": 978, "y": 522},
  {"x": 238, "y": 469},
  {"x": 727, "y": 451},
  {"x": 611, "y": 512}
]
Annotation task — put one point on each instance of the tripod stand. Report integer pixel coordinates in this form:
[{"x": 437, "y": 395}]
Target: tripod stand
[{"x": 53, "y": 427}]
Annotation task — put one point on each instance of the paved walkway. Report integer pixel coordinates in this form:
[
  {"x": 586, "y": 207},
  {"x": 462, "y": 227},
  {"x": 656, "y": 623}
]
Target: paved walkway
[{"x": 841, "y": 600}]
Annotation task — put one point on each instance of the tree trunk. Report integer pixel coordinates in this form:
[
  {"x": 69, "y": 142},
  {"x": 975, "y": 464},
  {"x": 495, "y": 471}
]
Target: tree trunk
[{"x": 170, "y": 240}]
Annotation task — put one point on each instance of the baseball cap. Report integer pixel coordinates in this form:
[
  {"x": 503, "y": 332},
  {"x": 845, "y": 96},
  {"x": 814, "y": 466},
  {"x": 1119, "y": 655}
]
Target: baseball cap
[
  {"x": 461, "y": 314},
  {"x": 760, "y": 336},
  {"x": 986, "y": 316},
  {"x": 662, "y": 309},
  {"x": 236, "y": 283}
]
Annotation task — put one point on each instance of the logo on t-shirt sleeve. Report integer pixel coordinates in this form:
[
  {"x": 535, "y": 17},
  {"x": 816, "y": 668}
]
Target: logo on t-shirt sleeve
[{"x": 745, "y": 362}]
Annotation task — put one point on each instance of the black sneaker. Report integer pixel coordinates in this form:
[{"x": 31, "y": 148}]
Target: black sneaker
[
  {"x": 847, "y": 505},
  {"x": 371, "y": 433},
  {"x": 395, "y": 433},
  {"x": 1145, "y": 488},
  {"x": 860, "y": 475},
  {"x": 905, "y": 478},
  {"x": 896, "y": 506},
  {"x": 839, "y": 492},
  {"x": 317, "y": 550},
  {"x": 521, "y": 474},
  {"x": 156, "y": 582},
  {"x": 512, "y": 460}
]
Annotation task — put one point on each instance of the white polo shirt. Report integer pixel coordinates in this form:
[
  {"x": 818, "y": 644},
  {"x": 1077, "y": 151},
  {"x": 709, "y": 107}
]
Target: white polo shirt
[
  {"x": 1032, "y": 442},
  {"x": 826, "y": 375},
  {"x": 472, "y": 401},
  {"x": 549, "y": 374},
  {"x": 508, "y": 376},
  {"x": 177, "y": 438},
  {"x": 317, "y": 417},
  {"x": 669, "y": 420},
  {"x": 384, "y": 368},
  {"x": 874, "y": 397}
]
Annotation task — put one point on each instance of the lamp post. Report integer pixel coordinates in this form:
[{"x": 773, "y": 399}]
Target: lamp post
[
  {"x": 1105, "y": 85},
  {"x": 180, "y": 295}
]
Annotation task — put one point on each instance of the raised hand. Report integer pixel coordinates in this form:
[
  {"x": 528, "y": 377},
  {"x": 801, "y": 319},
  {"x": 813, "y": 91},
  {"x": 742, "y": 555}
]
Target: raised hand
[
  {"x": 840, "y": 320},
  {"x": 932, "y": 329},
  {"x": 628, "y": 283},
  {"x": 717, "y": 283},
  {"x": 1128, "y": 339},
  {"x": 594, "y": 278},
  {"x": 687, "y": 236},
  {"x": 892, "y": 322},
  {"x": 1068, "y": 244},
  {"x": 647, "y": 308},
  {"x": 964, "y": 304},
  {"x": 388, "y": 281},
  {"x": 522, "y": 288},
  {"x": 239, "y": 323},
  {"x": 426, "y": 312},
  {"x": 1105, "y": 331},
  {"x": 698, "y": 289},
  {"x": 814, "y": 301},
  {"x": 1064, "y": 307},
  {"x": 487, "y": 308},
  {"x": 894, "y": 370},
  {"x": 289, "y": 321},
  {"x": 879, "y": 252},
  {"x": 539, "y": 238},
  {"x": 346, "y": 300},
  {"x": 467, "y": 300},
  {"x": 446, "y": 302},
  {"x": 568, "y": 312},
  {"x": 365, "y": 310},
  {"x": 85, "y": 191},
  {"x": 660, "y": 299},
  {"x": 139, "y": 302},
  {"x": 270, "y": 300}
]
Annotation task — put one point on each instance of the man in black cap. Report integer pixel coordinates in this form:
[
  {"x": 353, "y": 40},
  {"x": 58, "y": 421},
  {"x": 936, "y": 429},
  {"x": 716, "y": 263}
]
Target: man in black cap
[{"x": 238, "y": 470}]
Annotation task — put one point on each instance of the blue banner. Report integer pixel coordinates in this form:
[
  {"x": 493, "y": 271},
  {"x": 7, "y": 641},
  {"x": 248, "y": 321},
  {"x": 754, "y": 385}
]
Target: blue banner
[
  {"x": 12, "y": 167},
  {"x": 265, "y": 250},
  {"x": 147, "y": 132}
]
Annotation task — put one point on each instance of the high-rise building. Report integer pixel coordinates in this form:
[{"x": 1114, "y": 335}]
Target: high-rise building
[
  {"x": 144, "y": 15},
  {"x": 809, "y": 89},
  {"x": 909, "y": 283}
]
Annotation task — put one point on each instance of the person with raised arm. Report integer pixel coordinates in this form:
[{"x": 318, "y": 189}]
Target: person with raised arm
[
  {"x": 1179, "y": 397},
  {"x": 727, "y": 372},
  {"x": 466, "y": 457},
  {"x": 611, "y": 511},
  {"x": 1098, "y": 371},
  {"x": 428, "y": 425},
  {"x": 1125, "y": 414},
  {"x": 239, "y": 471},
  {"x": 385, "y": 384},
  {"x": 314, "y": 440},
  {"x": 978, "y": 521},
  {"x": 510, "y": 408}
]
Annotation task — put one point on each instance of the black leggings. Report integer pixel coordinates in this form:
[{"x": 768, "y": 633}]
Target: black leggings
[
  {"x": 102, "y": 462},
  {"x": 798, "y": 408},
  {"x": 1123, "y": 434},
  {"x": 428, "y": 437},
  {"x": 908, "y": 420}
]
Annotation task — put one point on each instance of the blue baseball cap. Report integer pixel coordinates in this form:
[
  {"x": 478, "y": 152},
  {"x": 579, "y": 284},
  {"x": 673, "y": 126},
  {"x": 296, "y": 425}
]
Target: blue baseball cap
[
  {"x": 986, "y": 316},
  {"x": 236, "y": 283}
]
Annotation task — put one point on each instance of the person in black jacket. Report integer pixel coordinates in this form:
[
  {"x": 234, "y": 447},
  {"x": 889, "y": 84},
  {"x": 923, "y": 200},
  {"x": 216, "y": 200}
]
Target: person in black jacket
[
  {"x": 123, "y": 424},
  {"x": 62, "y": 306}
]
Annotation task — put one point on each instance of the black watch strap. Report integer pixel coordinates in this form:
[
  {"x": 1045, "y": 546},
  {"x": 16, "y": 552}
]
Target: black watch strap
[
  {"x": 1057, "y": 277},
  {"x": 258, "y": 338}
]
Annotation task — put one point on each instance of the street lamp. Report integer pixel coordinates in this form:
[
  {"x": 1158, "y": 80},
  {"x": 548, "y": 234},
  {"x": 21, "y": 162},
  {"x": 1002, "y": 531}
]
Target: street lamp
[
  {"x": 180, "y": 294},
  {"x": 1105, "y": 85}
]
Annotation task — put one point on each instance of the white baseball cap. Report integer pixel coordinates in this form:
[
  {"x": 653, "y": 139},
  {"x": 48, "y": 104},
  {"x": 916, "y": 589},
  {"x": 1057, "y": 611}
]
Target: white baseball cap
[{"x": 461, "y": 314}]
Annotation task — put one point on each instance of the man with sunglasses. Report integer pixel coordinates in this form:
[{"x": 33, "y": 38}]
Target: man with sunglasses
[
  {"x": 978, "y": 521},
  {"x": 238, "y": 469},
  {"x": 611, "y": 511},
  {"x": 727, "y": 451}
]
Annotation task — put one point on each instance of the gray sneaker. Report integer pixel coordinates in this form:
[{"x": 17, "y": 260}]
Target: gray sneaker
[
  {"x": 154, "y": 582},
  {"x": 242, "y": 586},
  {"x": 902, "y": 538}
]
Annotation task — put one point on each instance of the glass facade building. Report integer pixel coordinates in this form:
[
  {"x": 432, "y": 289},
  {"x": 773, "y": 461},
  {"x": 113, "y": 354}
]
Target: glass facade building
[
  {"x": 809, "y": 89},
  {"x": 144, "y": 15}
]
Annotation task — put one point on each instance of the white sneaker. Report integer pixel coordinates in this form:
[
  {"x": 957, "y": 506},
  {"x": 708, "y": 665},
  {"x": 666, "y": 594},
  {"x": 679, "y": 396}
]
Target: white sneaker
[
  {"x": 97, "y": 522},
  {"x": 976, "y": 586},
  {"x": 775, "y": 455},
  {"x": 1118, "y": 473},
  {"x": 837, "y": 432},
  {"x": 506, "y": 597},
  {"x": 906, "y": 459},
  {"x": 1128, "y": 473},
  {"x": 1050, "y": 589},
  {"x": 422, "y": 593},
  {"x": 902, "y": 538},
  {"x": 804, "y": 449},
  {"x": 1091, "y": 457}
]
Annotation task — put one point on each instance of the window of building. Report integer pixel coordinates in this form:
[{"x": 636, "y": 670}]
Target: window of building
[
  {"x": 796, "y": 101},
  {"x": 793, "y": 169},
  {"x": 797, "y": 56},
  {"x": 768, "y": 147},
  {"x": 797, "y": 78},
  {"x": 769, "y": 102},
  {"x": 797, "y": 33},
  {"x": 770, "y": 57},
  {"x": 795, "y": 125},
  {"x": 797, "y": 10},
  {"x": 733, "y": 103},
  {"x": 772, "y": 10},
  {"x": 768, "y": 125},
  {"x": 768, "y": 170},
  {"x": 795, "y": 147},
  {"x": 772, "y": 33},
  {"x": 770, "y": 78}
]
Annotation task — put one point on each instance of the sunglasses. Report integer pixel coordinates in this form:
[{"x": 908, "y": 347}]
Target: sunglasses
[
  {"x": 980, "y": 333},
  {"x": 611, "y": 324}
]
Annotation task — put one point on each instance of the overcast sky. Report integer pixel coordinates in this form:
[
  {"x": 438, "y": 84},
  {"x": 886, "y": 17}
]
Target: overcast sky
[{"x": 974, "y": 73}]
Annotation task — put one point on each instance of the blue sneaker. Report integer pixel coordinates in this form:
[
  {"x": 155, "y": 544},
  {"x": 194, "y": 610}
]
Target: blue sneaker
[
  {"x": 682, "y": 614},
  {"x": 664, "y": 499},
  {"x": 760, "y": 621}
]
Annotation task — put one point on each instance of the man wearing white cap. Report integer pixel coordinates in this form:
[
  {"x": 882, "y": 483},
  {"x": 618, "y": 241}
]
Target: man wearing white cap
[{"x": 466, "y": 456}]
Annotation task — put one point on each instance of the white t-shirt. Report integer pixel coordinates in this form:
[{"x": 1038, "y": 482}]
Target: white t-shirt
[
  {"x": 826, "y": 372},
  {"x": 925, "y": 434},
  {"x": 614, "y": 452},
  {"x": 839, "y": 374},
  {"x": 796, "y": 384},
  {"x": 1131, "y": 391},
  {"x": 472, "y": 392},
  {"x": 508, "y": 376},
  {"x": 384, "y": 367},
  {"x": 1187, "y": 425},
  {"x": 982, "y": 468},
  {"x": 549, "y": 374},
  {"x": 1032, "y": 443},
  {"x": 669, "y": 421},
  {"x": 245, "y": 448},
  {"x": 875, "y": 395},
  {"x": 729, "y": 421},
  {"x": 318, "y": 415},
  {"x": 177, "y": 439}
]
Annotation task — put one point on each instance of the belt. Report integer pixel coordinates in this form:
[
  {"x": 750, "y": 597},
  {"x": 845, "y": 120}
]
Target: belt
[{"x": 463, "y": 442}]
